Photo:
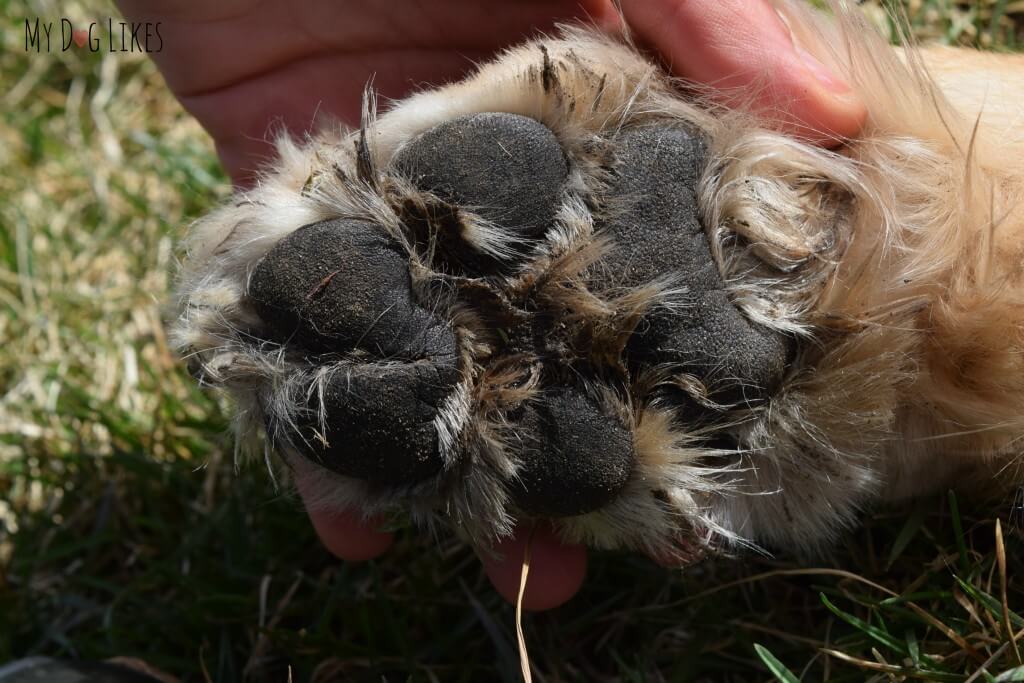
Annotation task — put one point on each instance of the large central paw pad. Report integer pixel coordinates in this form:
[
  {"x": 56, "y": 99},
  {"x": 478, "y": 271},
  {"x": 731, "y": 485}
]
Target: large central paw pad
[{"x": 522, "y": 354}]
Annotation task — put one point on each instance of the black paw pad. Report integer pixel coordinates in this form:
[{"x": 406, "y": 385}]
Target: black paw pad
[
  {"x": 654, "y": 223},
  {"x": 506, "y": 168},
  {"x": 341, "y": 285},
  {"x": 378, "y": 421},
  {"x": 575, "y": 457}
]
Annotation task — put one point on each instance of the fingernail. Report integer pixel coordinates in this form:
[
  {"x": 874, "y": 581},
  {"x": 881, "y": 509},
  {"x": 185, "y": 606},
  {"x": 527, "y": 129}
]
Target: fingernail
[{"x": 822, "y": 73}]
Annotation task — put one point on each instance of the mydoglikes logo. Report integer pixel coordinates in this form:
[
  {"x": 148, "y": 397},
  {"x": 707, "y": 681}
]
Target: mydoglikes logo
[{"x": 112, "y": 36}]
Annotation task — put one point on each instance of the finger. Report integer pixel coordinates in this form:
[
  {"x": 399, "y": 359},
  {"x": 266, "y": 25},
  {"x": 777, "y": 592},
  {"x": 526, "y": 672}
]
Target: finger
[
  {"x": 350, "y": 537},
  {"x": 743, "y": 50},
  {"x": 276, "y": 67},
  {"x": 345, "y": 533},
  {"x": 556, "y": 573}
]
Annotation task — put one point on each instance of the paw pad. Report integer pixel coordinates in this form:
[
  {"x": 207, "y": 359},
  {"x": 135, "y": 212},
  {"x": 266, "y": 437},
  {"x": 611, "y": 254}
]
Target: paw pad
[
  {"x": 343, "y": 286},
  {"x": 378, "y": 421},
  {"x": 506, "y": 168},
  {"x": 575, "y": 456},
  {"x": 655, "y": 226}
]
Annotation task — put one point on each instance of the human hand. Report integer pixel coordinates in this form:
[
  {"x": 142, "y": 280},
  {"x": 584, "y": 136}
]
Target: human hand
[{"x": 241, "y": 66}]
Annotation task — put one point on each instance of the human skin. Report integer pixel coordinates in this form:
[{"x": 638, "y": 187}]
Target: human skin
[{"x": 244, "y": 68}]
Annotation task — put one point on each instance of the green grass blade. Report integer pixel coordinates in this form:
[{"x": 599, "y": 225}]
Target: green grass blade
[
  {"x": 907, "y": 533},
  {"x": 1014, "y": 674},
  {"x": 958, "y": 530},
  {"x": 989, "y": 602},
  {"x": 997, "y": 14},
  {"x": 777, "y": 668},
  {"x": 867, "y": 629}
]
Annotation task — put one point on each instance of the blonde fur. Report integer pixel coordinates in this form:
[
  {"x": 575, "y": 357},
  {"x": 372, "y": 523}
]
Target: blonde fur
[{"x": 895, "y": 260}]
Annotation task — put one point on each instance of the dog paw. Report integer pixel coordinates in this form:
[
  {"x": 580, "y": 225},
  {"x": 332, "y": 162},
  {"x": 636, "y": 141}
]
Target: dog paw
[
  {"x": 526, "y": 295},
  {"x": 346, "y": 287}
]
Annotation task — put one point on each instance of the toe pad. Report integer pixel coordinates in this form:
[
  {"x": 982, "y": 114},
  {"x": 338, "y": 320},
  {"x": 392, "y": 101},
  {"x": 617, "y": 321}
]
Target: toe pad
[
  {"x": 343, "y": 284},
  {"x": 574, "y": 456},
  {"x": 506, "y": 168}
]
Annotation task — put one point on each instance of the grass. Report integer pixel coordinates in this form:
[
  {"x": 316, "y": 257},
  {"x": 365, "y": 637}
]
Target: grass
[{"x": 125, "y": 531}]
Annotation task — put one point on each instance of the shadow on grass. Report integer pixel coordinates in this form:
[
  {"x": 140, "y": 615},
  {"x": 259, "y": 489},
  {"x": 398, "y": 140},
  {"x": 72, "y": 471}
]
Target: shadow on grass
[{"x": 203, "y": 572}]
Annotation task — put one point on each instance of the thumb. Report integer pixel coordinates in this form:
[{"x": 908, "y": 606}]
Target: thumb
[{"x": 744, "y": 50}]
